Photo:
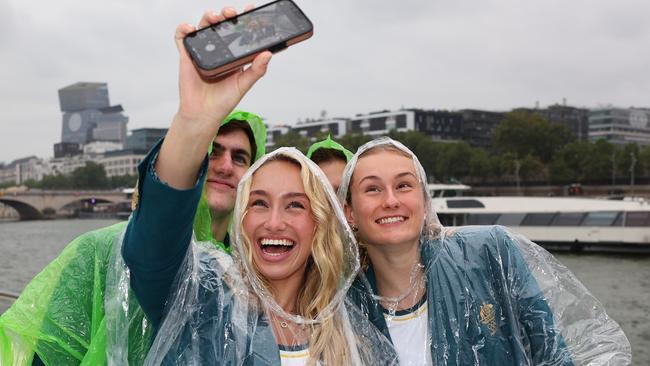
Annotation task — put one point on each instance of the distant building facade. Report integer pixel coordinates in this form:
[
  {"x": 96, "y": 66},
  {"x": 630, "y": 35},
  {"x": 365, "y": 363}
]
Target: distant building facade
[
  {"x": 442, "y": 126},
  {"x": 478, "y": 126},
  {"x": 63, "y": 149},
  {"x": 576, "y": 119},
  {"x": 380, "y": 123},
  {"x": 88, "y": 115},
  {"x": 144, "y": 138},
  {"x": 273, "y": 133},
  {"x": 22, "y": 170},
  {"x": 101, "y": 147},
  {"x": 336, "y": 127},
  {"x": 122, "y": 162},
  {"x": 620, "y": 126}
]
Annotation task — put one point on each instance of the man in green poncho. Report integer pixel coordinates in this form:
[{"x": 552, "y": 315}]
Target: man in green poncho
[
  {"x": 331, "y": 157},
  {"x": 60, "y": 318}
]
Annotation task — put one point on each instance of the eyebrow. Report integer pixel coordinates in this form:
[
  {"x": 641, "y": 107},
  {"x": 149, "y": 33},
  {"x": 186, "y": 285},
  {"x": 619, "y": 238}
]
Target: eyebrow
[
  {"x": 262, "y": 192},
  {"x": 400, "y": 175}
]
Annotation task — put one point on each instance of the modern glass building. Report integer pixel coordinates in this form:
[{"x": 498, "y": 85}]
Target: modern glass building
[
  {"x": 88, "y": 115},
  {"x": 620, "y": 125}
]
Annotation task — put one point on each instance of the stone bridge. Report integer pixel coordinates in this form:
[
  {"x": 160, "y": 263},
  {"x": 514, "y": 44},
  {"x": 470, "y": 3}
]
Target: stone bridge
[{"x": 39, "y": 204}]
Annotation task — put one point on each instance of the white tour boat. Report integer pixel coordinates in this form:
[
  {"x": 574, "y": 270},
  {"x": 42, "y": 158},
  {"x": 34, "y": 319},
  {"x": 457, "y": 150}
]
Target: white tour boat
[{"x": 574, "y": 223}]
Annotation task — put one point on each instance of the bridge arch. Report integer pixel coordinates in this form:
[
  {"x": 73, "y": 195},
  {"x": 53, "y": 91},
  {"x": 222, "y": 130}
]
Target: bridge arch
[{"x": 25, "y": 210}]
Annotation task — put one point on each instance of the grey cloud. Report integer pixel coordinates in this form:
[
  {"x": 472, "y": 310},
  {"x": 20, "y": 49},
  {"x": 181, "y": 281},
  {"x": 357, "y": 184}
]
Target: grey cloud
[{"x": 365, "y": 55}]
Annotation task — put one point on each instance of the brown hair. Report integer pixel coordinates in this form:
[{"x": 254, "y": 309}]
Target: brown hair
[
  {"x": 324, "y": 154},
  {"x": 240, "y": 125}
]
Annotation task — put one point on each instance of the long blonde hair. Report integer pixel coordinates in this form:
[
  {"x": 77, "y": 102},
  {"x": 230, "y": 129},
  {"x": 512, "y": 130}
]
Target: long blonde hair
[{"x": 327, "y": 342}]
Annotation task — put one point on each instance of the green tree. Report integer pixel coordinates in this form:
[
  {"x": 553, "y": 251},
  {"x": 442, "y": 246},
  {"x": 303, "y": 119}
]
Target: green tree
[
  {"x": 352, "y": 141},
  {"x": 480, "y": 167},
  {"x": 570, "y": 163},
  {"x": 524, "y": 133},
  {"x": 56, "y": 181},
  {"x": 91, "y": 176},
  {"x": 122, "y": 181},
  {"x": 532, "y": 169},
  {"x": 628, "y": 162},
  {"x": 598, "y": 164},
  {"x": 644, "y": 161},
  {"x": 454, "y": 162},
  {"x": 292, "y": 139}
]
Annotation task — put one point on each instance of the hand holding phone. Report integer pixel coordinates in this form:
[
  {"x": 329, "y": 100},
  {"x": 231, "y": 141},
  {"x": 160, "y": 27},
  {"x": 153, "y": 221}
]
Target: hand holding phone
[
  {"x": 225, "y": 46},
  {"x": 202, "y": 106}
]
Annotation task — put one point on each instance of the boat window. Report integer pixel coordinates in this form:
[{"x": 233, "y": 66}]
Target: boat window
[
  {"x": 537, "y": 219},
  {"x": 568, "y": 219},
  {"x": 452, "y": 219},
  {"x": 601, "y": 219},
  {"x": 511, "y": 219},
  {"x": 481, "y": 219},
  {"x": 637, "y": 219},
  {"x": 464, "y": 204}
]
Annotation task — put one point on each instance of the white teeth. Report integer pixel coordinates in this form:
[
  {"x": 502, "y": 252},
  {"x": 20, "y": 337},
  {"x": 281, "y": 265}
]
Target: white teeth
[
  {"x": 391, "y": 220},
  {"x": 283, "y": 242}
]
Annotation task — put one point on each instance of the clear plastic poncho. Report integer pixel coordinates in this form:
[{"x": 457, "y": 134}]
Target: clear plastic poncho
[
  {"x": 494, "y": 297},
  {"x": 222, "y": 312}
]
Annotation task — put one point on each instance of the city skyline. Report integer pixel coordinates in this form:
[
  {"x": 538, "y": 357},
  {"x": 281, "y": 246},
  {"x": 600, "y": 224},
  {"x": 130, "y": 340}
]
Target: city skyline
[{"x": 496, "y": 55}]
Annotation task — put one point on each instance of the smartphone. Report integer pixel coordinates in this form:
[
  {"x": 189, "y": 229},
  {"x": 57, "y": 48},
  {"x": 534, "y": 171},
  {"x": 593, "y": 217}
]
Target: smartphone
[{"x": 232, "y": 43}]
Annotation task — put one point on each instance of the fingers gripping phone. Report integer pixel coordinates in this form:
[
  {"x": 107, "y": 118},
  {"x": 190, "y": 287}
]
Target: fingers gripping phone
[{"x": 222, "y": 47}]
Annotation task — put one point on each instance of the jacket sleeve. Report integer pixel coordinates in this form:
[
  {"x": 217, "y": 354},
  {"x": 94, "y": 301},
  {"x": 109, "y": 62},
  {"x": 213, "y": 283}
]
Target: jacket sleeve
[
  {"x": 158, "y": 235},
  {"x": 564, "y": 322},
  {"x": 540, "y": 332}
]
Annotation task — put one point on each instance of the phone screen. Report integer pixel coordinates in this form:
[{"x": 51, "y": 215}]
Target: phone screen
[{"x": 246, "y": 34}]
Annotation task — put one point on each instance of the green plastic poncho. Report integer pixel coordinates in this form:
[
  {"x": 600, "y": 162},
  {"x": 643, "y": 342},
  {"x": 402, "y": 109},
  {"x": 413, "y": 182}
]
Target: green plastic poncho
[
  {"x": 80, "y": 304},
  {"x": 328, "y": 143}
]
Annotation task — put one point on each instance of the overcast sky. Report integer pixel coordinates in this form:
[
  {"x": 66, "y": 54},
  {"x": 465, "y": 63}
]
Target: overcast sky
[{"x": 364, "y": 56}]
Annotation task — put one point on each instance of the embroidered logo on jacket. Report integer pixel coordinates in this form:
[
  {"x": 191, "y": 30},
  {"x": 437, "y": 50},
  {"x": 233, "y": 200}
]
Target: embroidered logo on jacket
[{"x": 488, "y": 317}]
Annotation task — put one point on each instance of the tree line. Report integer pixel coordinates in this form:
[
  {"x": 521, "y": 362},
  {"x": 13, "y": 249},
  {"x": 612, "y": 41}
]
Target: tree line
[{"x": 525, "y": 147}]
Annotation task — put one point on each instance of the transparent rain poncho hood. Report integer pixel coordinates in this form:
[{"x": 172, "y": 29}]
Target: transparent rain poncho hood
[
  {"x": 222, "y": 311},
  {"x": 493, "y": 297}
]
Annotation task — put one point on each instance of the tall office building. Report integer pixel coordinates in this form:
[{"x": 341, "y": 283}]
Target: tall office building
[
  {"x": 620, "y": 126},
  {"x": 88, "y": 115},
  {"x": 478, "y": 126}
]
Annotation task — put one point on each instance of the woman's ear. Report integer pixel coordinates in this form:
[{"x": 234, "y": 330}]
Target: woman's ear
[{"x": 348, "y": 214}]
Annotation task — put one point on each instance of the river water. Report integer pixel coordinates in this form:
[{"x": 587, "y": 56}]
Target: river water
[{"x": 620, "y": 282}]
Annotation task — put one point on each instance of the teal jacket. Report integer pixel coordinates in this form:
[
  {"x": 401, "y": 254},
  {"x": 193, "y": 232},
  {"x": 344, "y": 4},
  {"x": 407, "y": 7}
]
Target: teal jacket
[{"x": 484, "y": 305}]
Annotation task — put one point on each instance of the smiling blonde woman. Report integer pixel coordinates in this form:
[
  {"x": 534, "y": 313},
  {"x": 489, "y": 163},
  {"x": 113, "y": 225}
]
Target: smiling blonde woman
[{"x": 281, "y": 298}]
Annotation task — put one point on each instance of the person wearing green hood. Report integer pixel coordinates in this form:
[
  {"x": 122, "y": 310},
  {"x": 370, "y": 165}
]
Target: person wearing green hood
[
  {"x": 60, "y": 318},
  {"x": 331, "y": 157}
]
